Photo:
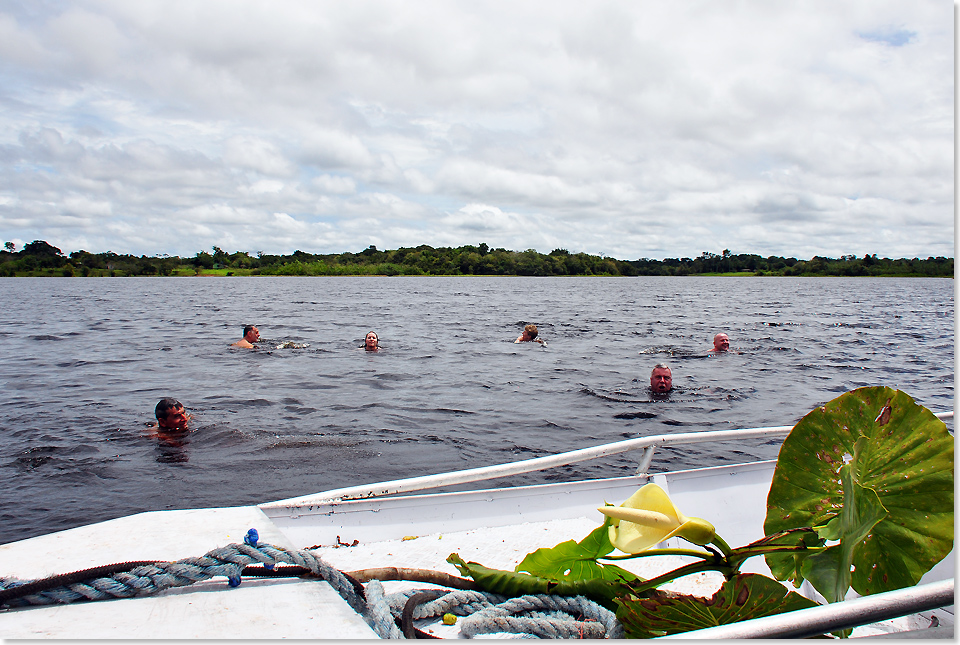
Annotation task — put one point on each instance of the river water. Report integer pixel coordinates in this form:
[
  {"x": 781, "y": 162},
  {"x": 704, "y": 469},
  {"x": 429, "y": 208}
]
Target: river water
[{"x": 85, "y": 361}]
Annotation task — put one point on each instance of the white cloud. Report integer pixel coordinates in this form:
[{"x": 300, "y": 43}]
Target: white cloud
[
  {"x": 468, "y": 177},
  {"x": 337, "y": 185},
  {"x": 633, "y": 129},
  {"x": 18, "y": 45},
  {"x": 263, "y": 187},
  {"x": 81, "y": 205},
  {"x": 254, "y": 153},
  {"x": 334, "y": 149},
  {"x": 287, "y": 223},
  {"x": 89, "y": 41},
  {"x": 219, "y": 214}
]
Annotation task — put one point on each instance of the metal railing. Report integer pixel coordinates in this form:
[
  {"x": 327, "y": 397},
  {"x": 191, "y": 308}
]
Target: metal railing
[{"x": 647, "y": 444}]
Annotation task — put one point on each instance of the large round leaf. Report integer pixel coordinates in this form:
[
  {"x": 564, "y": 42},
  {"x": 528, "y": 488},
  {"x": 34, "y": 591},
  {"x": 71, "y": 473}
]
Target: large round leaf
[
  {"x": 895, "y": 449},
  {"x": 745, "y": 597}
]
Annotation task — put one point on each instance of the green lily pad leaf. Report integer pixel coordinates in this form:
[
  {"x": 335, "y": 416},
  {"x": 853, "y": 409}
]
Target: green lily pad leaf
[
  {"x": 572, "y": 560},
  {"x": 897, "y": 489},
  {"x": 744, "y": 597},
  {"x": 513, "y": 584}
]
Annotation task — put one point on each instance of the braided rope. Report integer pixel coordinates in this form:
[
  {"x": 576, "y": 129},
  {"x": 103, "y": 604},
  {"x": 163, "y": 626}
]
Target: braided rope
[
  {"x": 460, "y": 602},
  {"x": 380, "y": 615},
  {"x": 226, "y": 561},
  {"x": 541, "y": 615},
  {"x": 599, "y": 622}
]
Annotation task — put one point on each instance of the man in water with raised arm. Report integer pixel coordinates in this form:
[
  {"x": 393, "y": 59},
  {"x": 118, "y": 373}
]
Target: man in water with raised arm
[
  {"x": 661, "y": 379},
  {"x": 530, "y": 335},
  {"x": 721, "y": 343},
  {"x": 250, "y": 335}
]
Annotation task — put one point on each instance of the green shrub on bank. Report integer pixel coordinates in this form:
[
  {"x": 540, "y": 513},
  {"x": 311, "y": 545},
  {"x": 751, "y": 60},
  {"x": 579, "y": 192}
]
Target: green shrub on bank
[{"x": 41, "y": 259}]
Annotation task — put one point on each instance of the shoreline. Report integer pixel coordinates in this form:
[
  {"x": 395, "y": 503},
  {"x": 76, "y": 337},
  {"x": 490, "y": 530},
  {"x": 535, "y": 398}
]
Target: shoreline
[{"x": 233, "y": 274}]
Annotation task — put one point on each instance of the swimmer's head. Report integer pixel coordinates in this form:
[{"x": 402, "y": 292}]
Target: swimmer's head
[
  {"x": 531, "y": 331},
  {"x": 721, "y": 342},
  {"x": 251, "y": 334},
  {"x": 661, "y": 379},
  {"x": 171, "y": 415},
  {"x": 371, "y": 341}
]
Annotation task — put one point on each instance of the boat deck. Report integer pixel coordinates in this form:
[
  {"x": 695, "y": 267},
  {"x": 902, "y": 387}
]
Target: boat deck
[{"x": 495, "y": 527}]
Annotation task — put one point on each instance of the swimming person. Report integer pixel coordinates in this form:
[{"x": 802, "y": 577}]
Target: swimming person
[
  {"x": 371, "y": 342},
  {"x": 661, "y": 379},
  {"x": 250, "y": 335},
  {"x": 529, "y": 334},
  {"x": 172, "y": 431},
  {"x": 171, "y": 416},
  {"x": 721, "y": 343}
]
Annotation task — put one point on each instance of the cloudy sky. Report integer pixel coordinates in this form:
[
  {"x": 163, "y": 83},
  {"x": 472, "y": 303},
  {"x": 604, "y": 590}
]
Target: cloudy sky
[{"x": 629, "y": 128}]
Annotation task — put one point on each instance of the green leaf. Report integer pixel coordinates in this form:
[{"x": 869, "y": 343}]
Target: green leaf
[
  {"x": 827, "y": 573},
  {"x": 499, "y": 581},
  {"x": 513, "y": 584},
  {"x": 575, "y": 561},
  {"x": 900, "y": 472},
  {"x": 744, "y": 597}
]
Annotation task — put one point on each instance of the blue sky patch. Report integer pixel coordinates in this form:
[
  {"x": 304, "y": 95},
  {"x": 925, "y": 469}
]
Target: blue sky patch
[{"x": 889, "y": 36}]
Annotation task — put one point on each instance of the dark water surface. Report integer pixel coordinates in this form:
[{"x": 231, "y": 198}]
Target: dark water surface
[{"x": 85, "y": 361}]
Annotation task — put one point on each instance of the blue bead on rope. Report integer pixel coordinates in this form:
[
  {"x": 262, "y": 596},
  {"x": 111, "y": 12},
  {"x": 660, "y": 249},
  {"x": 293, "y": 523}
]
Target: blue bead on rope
[{"x": 251, "y": 538}]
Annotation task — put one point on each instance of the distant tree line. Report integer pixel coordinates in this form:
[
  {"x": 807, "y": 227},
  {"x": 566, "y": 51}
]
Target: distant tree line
[{"x": 42, "y": 259}]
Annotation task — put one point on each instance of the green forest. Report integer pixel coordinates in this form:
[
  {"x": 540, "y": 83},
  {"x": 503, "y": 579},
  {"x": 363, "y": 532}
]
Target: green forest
[{"x": 42, "y": 259}]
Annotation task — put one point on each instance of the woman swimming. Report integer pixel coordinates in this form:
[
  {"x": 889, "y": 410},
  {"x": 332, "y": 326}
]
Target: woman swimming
[{"x": 371, "y": 342}]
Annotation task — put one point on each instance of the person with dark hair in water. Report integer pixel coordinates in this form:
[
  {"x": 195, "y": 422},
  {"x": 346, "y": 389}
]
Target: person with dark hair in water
[
  {"x": 171, "y": 416},
  {"x": 661, "y": 379},
  {"x": 250, "y": 335},
  {"x": 172, "y": 431},
  {"x": 371, "y": 342}
]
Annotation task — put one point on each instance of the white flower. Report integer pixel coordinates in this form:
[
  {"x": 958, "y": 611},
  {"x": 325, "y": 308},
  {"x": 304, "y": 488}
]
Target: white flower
[{"x": 649, "y": 517}]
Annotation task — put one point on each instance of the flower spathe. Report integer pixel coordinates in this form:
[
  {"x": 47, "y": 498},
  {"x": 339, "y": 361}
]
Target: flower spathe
[{"x": 649, "y": 517}]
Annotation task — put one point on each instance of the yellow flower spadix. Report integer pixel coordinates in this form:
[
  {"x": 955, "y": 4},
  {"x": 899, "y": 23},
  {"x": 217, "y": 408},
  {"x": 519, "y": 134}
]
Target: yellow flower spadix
[{"x": 649, "y": 517}]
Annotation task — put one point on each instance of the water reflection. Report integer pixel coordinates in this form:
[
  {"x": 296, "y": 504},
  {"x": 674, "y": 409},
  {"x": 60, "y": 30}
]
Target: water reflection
[{"x": 172, "y": 446}]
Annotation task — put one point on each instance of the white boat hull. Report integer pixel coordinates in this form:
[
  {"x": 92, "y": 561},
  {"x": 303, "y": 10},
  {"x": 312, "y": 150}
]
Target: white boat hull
[{"x": 496, "y": 527}]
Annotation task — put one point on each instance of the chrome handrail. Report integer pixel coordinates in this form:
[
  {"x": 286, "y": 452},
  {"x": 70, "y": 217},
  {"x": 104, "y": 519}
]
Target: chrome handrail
[{"x": 648, "y": 444}]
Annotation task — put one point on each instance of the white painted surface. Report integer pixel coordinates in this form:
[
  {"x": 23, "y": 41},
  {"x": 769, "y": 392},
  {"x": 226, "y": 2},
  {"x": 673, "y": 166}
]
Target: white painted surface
[
  {"x": 501, "y": 548},
  {"x": 157, "y": 535},
  {"x": 738, "y": 490},
  {"x": 255, "y": 609}
]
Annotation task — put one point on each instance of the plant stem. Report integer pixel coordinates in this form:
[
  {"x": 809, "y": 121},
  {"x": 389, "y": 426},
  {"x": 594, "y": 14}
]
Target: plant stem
[
  {"x": 721, "y": 544},
  {"x": 653, "y": 583},
  {"x": 642, "y": 554},
  {"x": 728, "y": 565}
]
